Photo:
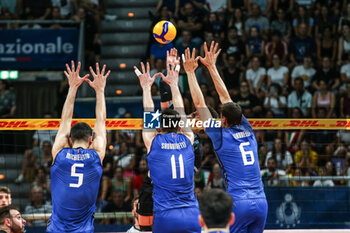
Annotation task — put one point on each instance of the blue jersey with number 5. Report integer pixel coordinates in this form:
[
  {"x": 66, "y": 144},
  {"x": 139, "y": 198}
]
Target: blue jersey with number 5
[
  {"x": 236, "y": 150},
  {"x": 75, "y": 180},
  {"x": 171, "y": 166}
]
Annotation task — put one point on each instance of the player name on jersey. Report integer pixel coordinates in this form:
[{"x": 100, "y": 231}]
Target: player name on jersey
[
  {"x": 243, "y": 134},
  {"x": 77, "y": 157},
  {"x": 174, "y": 146}
]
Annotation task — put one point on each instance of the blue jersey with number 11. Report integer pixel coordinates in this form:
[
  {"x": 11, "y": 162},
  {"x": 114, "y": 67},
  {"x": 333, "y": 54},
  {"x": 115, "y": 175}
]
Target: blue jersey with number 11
[
  {"x": 171, "y": 166},
  {"x": 237, "y": 154},
  {"x": 75, "y": 180}
]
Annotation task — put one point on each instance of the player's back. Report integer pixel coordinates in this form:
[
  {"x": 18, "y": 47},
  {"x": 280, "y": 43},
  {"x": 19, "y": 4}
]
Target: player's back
[
  {"x": 236, "y": 150},
  {"x": 75, "y": 180},
  {"x": 171, "y": 165}
]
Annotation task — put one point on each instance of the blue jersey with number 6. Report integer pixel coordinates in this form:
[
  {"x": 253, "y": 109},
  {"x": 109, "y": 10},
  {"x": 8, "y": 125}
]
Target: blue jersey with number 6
[
  {"x": 171, "y": 166},
  {"x": 75, "y": 180},
  {"x": 236, "y": 150}
]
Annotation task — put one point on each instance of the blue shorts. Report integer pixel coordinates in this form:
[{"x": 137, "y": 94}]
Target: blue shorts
[
  {"x": 182, "y": 220},
  {"x": 250, "y": 216}
]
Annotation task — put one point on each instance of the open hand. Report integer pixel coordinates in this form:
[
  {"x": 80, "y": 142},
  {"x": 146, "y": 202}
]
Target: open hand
[
  {"x": 211, "y": 55},
  {"x": 99, "y": 82},
  {"x": 74, "y": 80},
  {"x": 190, "y": 63},
  {"x": 144, "y": 77}
]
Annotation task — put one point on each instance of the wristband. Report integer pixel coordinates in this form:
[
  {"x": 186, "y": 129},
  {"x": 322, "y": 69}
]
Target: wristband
[
  {"x": 183, "y": 58},
  {"x": 177, "y": 68}
]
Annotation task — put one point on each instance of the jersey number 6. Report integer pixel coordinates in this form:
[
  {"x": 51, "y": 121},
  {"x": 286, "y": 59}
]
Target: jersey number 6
[
  {"x": 79, "y": 175},
  {"x": 245, "y": 153}
]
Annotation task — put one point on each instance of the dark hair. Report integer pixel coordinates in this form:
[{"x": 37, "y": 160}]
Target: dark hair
[
  {"x": 5, "y": 213},
  {"x": 81, "y": 131},
  {"x": 215, "y": 206},
  {"x": 171, "y": 118},
  {"x": 213, "y": 112},
  {"x": 232, "y": 112},
  {"x": 4, "y": 189},
  {"x": 299, "y": 79},
  {"x": 165, "y": 91}
]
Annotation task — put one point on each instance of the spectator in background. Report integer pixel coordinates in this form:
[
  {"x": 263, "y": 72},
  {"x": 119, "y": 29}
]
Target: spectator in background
[
  {"x": 140, "y": 178},
  {"x": 159, "y": 66},
  {"x": 232, "y": 5},
  {"x": 10, "y": 6},
  {"x": 215, "y": 180},
  {"x": 255, "y": 45},
  {"x": 39, "y": 9},
  {"x": 65, "y": 7},
  {"x": 323, "y": 99},
  {"x": 293, "y": 138},
  {"x": 117, "y": 204},
  {"x": 270, "y": 175},
  {"x": 191, "y": 21},
  {"x": 11, "y": 220},
  {"x": 264, "y": 6},
  {"x": 303, "y": 17},
  {"x": 283, "y": 158},
  {"x": 256, "y": 77},
  {"x": 5, "y": 196},
  {"x": 215, "y": 24},
  {"x": 233, "y": 45},
  {"x": 40, "y": 136},
  {"x": 278, "y": 74},
  {"x": 42, "y": 179},
  {"x": 299, "y": 98},
  {"x": 345, "y": 18},
  {"x": 323, "y": 183},
  {"x": 256, "y": 19},
  {"x": 136, "y": 227},
  {"x": 55, "y": 15},
  {"x": 281, "y": 24},
  {"x": 237, "y": 21},
  {"x": 159, "y": 50},
  {"x": 232, "y": 75},
  {"x": 164, "y": 14},
  {"x": 247, "y": 100},
  {"x": 275, "y": 101},
  {"x": 298, "y": 183},
  {"x": 305, "y": 71},
  {"x": 323, "y": 21},
  {"x": 344, "y": 45},
  {"x": 185, "y": 41},
  {"x": 216, "y": 211},
  {"x": 37, "y": 206},
  {"x": 308, "y": 4},
  {"x": 172, "y": 5},
  {"x": 217, "y": 6},
  {"x": 326, "y": 46},
  {"x": 7, "y": 100},
  {"x": 306, "y": 158},
  {"x": 276, "y": 46},
  {"x": 328, "y": 75},
  {"x": 125, "y": 158},
  {"x": 345, "y": 102},
  {"x": 301, "y": 45}
]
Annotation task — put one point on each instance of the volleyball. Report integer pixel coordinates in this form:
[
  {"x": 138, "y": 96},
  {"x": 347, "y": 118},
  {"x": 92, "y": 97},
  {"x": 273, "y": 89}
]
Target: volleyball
[{"x": 164, "y": 32}]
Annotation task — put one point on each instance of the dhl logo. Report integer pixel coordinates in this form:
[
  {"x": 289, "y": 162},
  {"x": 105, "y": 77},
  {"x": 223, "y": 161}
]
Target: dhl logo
[{"x": 136, "y": 124}]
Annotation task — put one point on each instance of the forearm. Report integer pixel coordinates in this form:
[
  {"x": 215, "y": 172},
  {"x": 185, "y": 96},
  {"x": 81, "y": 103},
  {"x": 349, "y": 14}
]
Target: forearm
[
  {"x": 148, "y": 104},
  {"x": 100, "y": 125},
  {"x": 196, "y": 93},
  {"x": 67, "y": 111},
  {"x": 219, "y": 85}
]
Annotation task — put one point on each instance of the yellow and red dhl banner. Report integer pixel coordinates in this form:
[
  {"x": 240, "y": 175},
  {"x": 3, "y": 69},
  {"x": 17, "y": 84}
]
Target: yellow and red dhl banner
[{"x": 137, "y": 124}]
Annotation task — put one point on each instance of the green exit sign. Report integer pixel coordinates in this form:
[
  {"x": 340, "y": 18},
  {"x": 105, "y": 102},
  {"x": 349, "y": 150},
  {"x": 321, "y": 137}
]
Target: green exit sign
[{"x": 9, "y": 74}]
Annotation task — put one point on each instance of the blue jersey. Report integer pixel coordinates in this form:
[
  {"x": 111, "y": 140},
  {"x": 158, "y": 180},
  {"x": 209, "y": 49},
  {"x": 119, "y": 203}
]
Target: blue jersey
[
  {"x": 171, "y": 166},
  {"x": 236, "y": 152},
  {"x": 75, "y": 180}
]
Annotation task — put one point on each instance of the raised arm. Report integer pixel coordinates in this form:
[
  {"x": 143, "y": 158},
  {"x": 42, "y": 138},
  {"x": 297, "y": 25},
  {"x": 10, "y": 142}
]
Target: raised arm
[
  {"x": 190, "y": 65},
  {"x": 172, "y": 79},
  {"x": 209, "y": 61},
  {"x": 146, "y": 83},
  {"x": 74, "y": 81},
  {"x": 100, "y": 138}
]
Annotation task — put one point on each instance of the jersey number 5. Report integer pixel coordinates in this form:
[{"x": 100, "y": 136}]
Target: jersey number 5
[
  {"x": 245, "y": 153},
  {"x": 173, "y": 167},
  {"x": 79, "y": 175}
]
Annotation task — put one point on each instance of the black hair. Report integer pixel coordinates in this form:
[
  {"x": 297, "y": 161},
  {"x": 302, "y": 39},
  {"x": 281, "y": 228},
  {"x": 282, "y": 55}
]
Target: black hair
[
  {"x": 171, "y": 118},
  {"x": 165, "y": 91},
  {"x": 5, "y": 213},
  {"x": 215, "y": 206},
  {"x": 232, "y": 112},
  {"x": 81, "y": 131},
  {"x": 213, "y": 113}
]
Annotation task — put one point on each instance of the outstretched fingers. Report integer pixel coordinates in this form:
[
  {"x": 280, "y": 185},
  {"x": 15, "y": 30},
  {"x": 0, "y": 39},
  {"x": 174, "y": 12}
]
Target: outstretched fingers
[
  {"x": 92, "y": 72},
  {"x": 68, "y": 69},
  {"x": 103, "y": 70},
  {"x": 193, "y": 53},
  {"x": 143, "y": 68},
  {"x": 73, "y": 66}
]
